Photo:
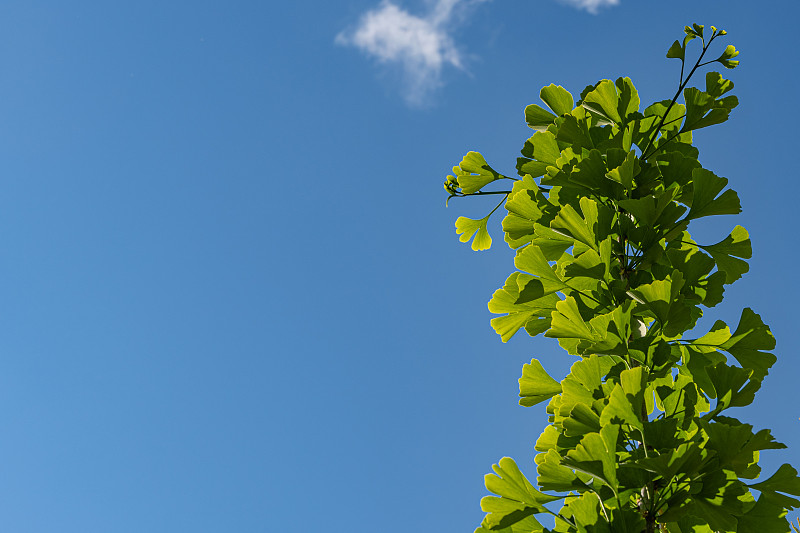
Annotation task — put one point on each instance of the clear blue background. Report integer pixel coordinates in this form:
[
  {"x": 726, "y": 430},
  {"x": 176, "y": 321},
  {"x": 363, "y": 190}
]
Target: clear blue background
[{"x": 232, "y": 298}]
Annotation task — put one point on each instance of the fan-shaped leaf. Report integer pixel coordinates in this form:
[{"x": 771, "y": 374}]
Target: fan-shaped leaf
[
  {"x": 536, "y": 385},
  {"x": 467, "y": 227}
]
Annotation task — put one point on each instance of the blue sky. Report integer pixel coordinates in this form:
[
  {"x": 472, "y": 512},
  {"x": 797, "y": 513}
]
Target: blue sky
[{"x": 233, "y": 299}]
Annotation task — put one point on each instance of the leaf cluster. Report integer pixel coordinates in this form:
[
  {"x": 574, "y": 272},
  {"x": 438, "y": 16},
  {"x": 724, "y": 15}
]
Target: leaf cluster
[{"x": 640, "y": 436}]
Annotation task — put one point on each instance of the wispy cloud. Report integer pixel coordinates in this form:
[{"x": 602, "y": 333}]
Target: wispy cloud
[
  {"x": 592, "y": 6},
  {"x": 422, "y": 45}
]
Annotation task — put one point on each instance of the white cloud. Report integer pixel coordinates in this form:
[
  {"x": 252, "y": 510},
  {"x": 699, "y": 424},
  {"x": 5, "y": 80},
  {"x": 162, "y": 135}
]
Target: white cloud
[
  {"x": 422, "y": 45},
  {"x": 592, "y": 6}
]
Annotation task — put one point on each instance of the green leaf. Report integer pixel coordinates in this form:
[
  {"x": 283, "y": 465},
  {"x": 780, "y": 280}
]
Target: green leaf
[
  {"x": 590, "y": 172},
  {"x": 531, "y": 259},
  {"x": 580, "y": 420},
  {"x": 551, "y": 243},
  {"x": 527, "y": 525},
  {"x": 727, "y": 252},
  {"x": 587, "y": 265},
  {"x": 523, "y": 212},
  {"x": 543, "y": 151},
  {"x": 705, "y": 201},
  {"x": 625, "y": 172},
  {"x": 698, "y": 363},
  {"x": 726, "y": 58},
  {"x": 525, "y": 301},
  {"x": 628, "y": 98},
  {"x": 731, "y": 441},
  {"x": 720, "y": 500},
  {"x": 785, "y": 481},
  {"x": 684, "y": 458},
  {"x": 553, "y": 438},
  {"x": 764, "y": 517},
  {"x": 706, "y": 108},
  {"x": 676, "y": 51},
  {"x": 596, "y": 456},
  {"x": 590, "y": 371},
  {"x": 634, "y": 383},
  {"x": 649, "y": 209},
  {"x": 681, "y": 400},
  {"x": 557, "y": 98},
  {"x": 676, "y": 168},
  {"x": 733, "y": 385},
  {"x": 575, "y": 130},
  {"x": 716, "y": 85},
  {"x": 555, "y": 476},
  {"x": 537, "y": 118},
  {"x": 574, "y": 394},
  {"x": 604, "y": 100},
  {"x": 517, "y": 499},
  {"x": 473, "y": 173},
  {"x": 467, "y": 227},
  {"x": 661, "y": 298},
  {"x": 619, "y": 410},
  {"x": 749, "y": 340},
  {"x": 570, "y": 223},
  {"x": 536, "y": 385},
  {"x": 584, "y": 510},
  {"x": 567, "y": 322}
]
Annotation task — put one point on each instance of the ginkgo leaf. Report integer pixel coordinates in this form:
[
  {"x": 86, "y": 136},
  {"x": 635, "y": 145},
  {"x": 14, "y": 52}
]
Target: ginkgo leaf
[
  {"x": 536, "y": 385},
  {"x": 531, "y": 259},
  {"x": 624, "y": 173},
  {"x": 529, "y": 524},
  {"x": 659, "y": 296},
  {"x": 555, "y": 476},
  {"x": 570, "y": 223},
  {"x": 676, "y": 51},
  {"x": 596, "y": 455},
  {"x": 537, "y": 118},
  {"x": 720, "y": 500},
  {"x": 764, "y": 517},
  {"x": 523, "y": 212},
  {"x": 557, "y": 98},
  {"x": 575, "y": 130},
  {"x": 522, "y": 300},
  {"x": 785, "y": 481},
  {"x": 705, "y": 201},
  {"x": 540, "y": 151},
  {"x": 619, "y": 410},
  {"x": 568, "y": 322},
  {"x": 628, "y": 101},
  {"x": 590, "y": 171},
  {"x": 516, "y": 497},
  {"x": 704, "y": 108},
  {"x": 467, "y": 227},
  {"x": 676, "y": 168},
  {"x": 473, "y": 173},
  {"x": 734, "y": 386},
  {"x": 727, "y": 254},
  {"x": 749, "y": 342}
]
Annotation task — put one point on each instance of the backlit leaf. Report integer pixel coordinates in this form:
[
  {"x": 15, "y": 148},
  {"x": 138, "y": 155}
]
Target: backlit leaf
[
  {"x": 536, "y": 385},
  {"x": 467, "y": 227},
  {"x": 516, "y": 498}
]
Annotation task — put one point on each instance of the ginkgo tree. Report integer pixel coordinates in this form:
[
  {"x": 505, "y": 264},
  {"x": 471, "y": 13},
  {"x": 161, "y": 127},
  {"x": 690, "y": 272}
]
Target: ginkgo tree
[{"x": 640, "y": 435}]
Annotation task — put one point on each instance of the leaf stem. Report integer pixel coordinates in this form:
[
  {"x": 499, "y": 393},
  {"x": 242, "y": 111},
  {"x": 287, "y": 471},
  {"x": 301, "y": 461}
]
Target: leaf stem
[
  {"x": 682, "y": 86},
  {"x": 498, "y": 205},
  {"x": 479, "y": 193},
  {"x": 559, "y": 515},
  {"x": 603, "y": 507}
]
